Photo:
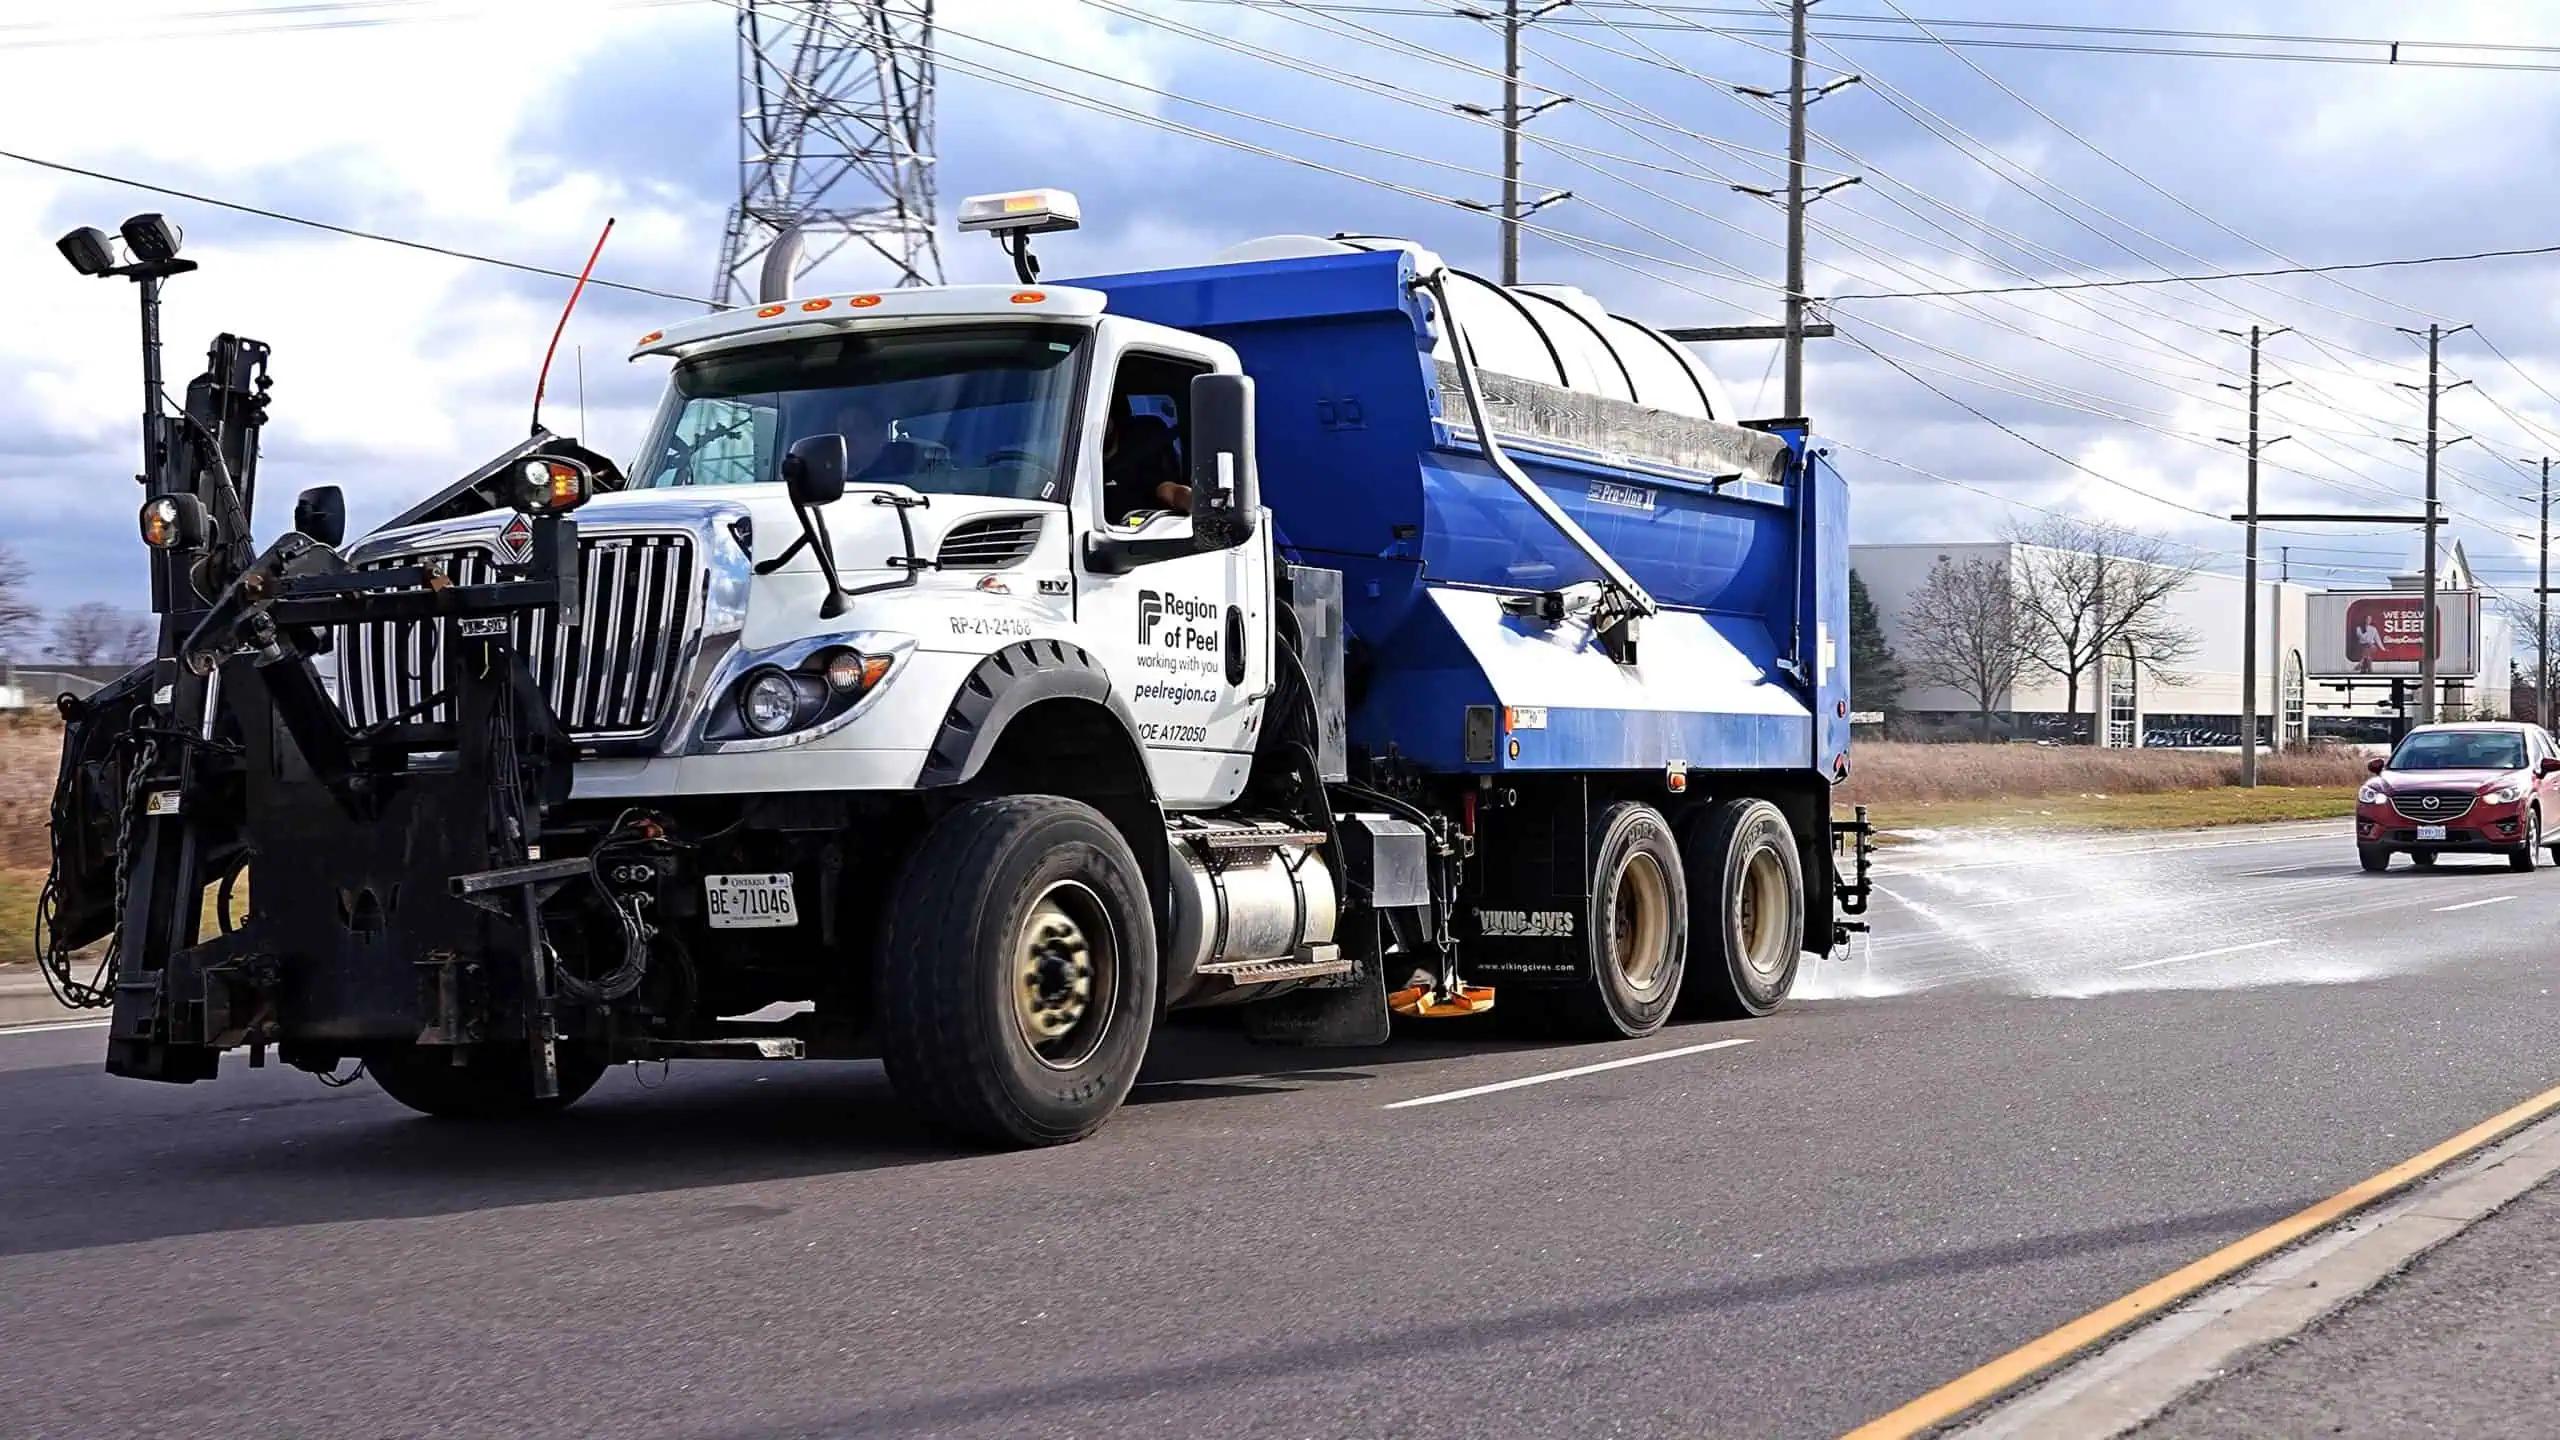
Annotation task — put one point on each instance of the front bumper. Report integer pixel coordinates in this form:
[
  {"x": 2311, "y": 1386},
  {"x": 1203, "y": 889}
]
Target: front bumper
[{"x": 2485, "y": 828}]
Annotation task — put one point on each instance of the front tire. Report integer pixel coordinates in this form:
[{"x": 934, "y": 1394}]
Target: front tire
[
  {"x": 2527, "y": 855},
  {"x": 496, "y": 1084},
  {"x": 1746, "y": 884},
  {"x": 1636, "y": 934},
  {"x": 2374, "y": 858},
  {"x": 1018, "y": 972}
]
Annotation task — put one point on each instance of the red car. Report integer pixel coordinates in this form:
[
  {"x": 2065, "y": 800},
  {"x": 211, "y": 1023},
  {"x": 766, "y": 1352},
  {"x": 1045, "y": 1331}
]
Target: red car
[{"x": 2485, "y": 788}]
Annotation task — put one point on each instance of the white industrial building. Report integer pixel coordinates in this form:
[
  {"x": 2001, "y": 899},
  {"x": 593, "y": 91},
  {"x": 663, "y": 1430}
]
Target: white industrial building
[{"x": 2199, "y": 702}]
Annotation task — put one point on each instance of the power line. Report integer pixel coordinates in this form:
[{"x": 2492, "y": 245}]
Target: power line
[
  {"x": 351, "y": 232},
  {"x": 1292, "y": 62},
  {"x": 1725, "y": 272},
  {"x": 2109, "y": 156},
  {"x": 1586, "y": 244},
  {"x": 167, "y": 26},
  {"x": 2203, "y": 277},
  {"x": 2388, "y": 48}
]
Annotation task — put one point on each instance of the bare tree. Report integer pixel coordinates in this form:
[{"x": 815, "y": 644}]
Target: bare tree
[
  {"x": 2088, "y": 589},
  {"x": 1962, "y": 629},
  {"x": 96, "y": 633},
  {"x": 18, "y": 613},
  {"x": 2530, "y": 648}
]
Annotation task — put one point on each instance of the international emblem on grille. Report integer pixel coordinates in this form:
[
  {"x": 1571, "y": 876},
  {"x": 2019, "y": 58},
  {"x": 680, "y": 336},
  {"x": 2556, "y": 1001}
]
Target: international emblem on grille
[{"x": 515, "y": 541}]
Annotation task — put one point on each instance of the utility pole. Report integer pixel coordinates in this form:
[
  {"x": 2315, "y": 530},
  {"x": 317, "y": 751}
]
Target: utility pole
[
  {"x": 2249, "y": 572},
  {"x": 2542, "y": 612},
  {"x": 1797, "y": 195},
  {"x": 2429, "y": 627},
  {"x": 1513, "y": 114}
]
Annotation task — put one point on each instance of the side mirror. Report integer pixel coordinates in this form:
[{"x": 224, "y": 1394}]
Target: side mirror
[
  {"x": 813, "y": 469},
  {"x": 1226, "y": 490},
  {"x": 2375, "y": 765},
  {"x": 2550, "y": 766},
  {"x": 321, "y": 513}
]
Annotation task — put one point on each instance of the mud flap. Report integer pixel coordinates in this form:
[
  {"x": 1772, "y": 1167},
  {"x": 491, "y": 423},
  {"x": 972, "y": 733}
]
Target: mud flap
[{"x": 1852, "y": 893}]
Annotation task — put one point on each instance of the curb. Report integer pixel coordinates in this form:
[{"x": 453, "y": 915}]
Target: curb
[
  {"x": 25, "y": 1000},
  {"x": 2128, "y": 1383}
]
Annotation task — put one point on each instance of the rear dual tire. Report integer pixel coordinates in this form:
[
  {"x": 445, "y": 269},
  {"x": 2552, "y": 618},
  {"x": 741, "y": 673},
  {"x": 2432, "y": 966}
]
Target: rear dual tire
[
  {"x": 1747, "y": 882},
  {"x": 1636, "y": 927},
  {"x": 1735, "y": 919}
]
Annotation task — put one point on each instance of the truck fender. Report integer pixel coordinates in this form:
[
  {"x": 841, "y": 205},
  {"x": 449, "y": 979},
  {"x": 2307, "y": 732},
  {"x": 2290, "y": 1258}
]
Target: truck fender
[
  {"x": 1065, "y": 679},
  {"x": 1005, "y": 684}
]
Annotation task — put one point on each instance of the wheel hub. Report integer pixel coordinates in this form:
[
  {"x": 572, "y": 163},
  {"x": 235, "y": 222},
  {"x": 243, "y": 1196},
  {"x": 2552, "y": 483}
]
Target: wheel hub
[
  {"x": 1640, "y": 922},
  {"x": 1057, "y": 976},
  {"x": 1064, "y": 975},
  {"x": 1760, "y": 919}
]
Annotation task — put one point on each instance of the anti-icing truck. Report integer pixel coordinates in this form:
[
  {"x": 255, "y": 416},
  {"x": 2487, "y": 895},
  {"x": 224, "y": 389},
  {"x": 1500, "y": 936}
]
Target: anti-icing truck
[{"x": 970, "y": 676}]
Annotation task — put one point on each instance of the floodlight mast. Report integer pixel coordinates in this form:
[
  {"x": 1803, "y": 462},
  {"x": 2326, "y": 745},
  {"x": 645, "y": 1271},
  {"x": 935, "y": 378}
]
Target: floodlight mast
[{"x": 153, "y": 244}]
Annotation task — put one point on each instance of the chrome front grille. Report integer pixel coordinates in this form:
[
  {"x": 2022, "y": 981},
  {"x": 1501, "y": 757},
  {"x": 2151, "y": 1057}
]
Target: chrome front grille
[
  {"x": 2433, "y": 806},
  {"x": 611, "y": 676},
  {"x": 993, "y": 543}
]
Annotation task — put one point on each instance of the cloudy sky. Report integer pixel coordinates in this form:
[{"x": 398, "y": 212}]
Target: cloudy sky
[{"x": 513, "y": 130}]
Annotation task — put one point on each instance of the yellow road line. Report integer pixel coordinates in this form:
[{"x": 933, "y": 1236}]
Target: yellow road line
[{"x": 2038, "y": 1355}]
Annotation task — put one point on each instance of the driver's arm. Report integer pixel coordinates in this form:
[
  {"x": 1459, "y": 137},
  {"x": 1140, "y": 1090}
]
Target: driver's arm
[{"x": 1175, "y": 496}]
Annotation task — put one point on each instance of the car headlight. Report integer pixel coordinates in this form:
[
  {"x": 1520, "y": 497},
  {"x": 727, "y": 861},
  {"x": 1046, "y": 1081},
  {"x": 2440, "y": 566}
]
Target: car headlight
[
  {"x": 2372, "y": 793},
  {"x": 768, "y": 702},
  {"x": 2506, "y": 794}
]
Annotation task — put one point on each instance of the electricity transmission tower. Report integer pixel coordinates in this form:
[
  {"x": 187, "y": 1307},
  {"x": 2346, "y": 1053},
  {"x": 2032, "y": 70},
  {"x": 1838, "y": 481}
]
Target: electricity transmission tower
[{"x": 835, "y": 142}]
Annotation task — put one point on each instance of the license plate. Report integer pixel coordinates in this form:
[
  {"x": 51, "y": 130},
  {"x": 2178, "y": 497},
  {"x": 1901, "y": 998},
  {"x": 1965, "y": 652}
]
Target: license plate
[
  {"x": 2430, "y": 832},
  {"x": 749, "y": 902}
]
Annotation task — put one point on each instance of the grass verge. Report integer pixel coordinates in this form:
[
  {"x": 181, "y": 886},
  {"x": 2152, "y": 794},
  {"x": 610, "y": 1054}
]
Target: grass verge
[{"x": 2156, "y": 810}]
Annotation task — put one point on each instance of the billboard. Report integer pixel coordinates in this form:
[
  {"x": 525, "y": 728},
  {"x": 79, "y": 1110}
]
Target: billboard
[{"x": 2383, "y": 632}]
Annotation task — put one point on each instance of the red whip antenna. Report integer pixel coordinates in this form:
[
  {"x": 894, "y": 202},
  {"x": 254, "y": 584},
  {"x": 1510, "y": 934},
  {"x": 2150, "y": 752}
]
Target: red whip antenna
[{"x": 542, "y": 381}]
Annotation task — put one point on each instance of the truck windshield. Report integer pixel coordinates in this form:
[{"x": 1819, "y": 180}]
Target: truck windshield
[
  {"x": 975, "y": 410},
  {"x": 2460, "y": 750}
]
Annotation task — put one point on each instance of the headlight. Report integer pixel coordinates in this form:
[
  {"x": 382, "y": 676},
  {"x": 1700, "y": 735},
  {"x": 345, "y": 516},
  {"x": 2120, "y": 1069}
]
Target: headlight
[
  {"x": 2372, "y": 793},
  {"x": 768, "y": 702},
  {"x": 811, "y": 695},
  {"x": 2506, "y": 794}
]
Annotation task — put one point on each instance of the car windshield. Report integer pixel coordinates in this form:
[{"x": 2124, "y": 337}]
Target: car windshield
[
  {"x": 2460, "y": 750},
  {"x": 976, "y": 410}
]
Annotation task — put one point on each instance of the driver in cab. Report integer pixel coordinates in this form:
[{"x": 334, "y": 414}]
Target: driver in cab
[
  {"x": 1141, "y": 474},
  {"x": 872, "y": 455}
]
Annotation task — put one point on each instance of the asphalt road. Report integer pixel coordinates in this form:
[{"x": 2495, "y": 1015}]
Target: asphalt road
[{"x": 2062, "y": 1069}]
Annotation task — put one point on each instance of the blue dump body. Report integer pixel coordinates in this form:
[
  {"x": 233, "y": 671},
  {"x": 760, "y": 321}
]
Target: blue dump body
[{"x": 1746, "y": 666}]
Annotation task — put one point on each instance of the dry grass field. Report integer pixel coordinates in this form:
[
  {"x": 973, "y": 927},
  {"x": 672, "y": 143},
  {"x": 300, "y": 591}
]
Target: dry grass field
[
  {"x": 29, "y": 749},
  {"x": 1888, "y": 772}
]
